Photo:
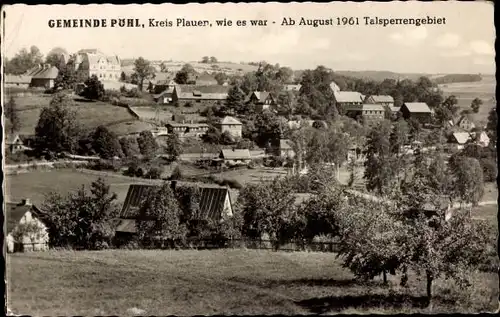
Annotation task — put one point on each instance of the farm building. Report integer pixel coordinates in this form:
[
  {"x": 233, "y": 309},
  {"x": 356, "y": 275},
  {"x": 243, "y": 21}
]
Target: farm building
[
  {"x": 348, "y": 100},
  {"x": 460, "y": 139},
  {"x": 334, "y": 87},
  {"x": 26, "y": 229},
  {"x": 164, "y": 97},
  {"x": 263, "y": 100},
  {"x": 465, "y": 122},
  {"x": 235, "y": 156},
  {"x": 20, "y": 81},
  {"x": 231, "y": 125},
  {"x": 43, "y": 75},
  {"x": 369, "y": 113},
  {"x": 384, "y": 100},
  {"x": 16, "y": 143},
  {"x": 417, "y": 110},
  {"x": 480, "y": 138},
  {"x": 195, "y": 95},
  {"x": 215, "y": 203},
  {"x": 187, "y": 129},
  {"x": 89, "y": 62}
]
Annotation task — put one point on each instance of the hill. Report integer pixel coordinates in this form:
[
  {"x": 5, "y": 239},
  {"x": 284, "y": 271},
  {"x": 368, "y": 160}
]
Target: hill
[
  {"x": 380, "y": 75},
  {"x": 229, "y": 68}
]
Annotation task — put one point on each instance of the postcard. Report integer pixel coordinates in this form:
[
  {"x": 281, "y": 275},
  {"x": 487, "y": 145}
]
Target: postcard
[{"x": 250, "y": 158}]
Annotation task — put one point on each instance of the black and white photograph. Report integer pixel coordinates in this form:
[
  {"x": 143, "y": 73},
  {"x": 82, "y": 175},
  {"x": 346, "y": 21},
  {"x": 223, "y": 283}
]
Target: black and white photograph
[{"x": 250, "y": 159}]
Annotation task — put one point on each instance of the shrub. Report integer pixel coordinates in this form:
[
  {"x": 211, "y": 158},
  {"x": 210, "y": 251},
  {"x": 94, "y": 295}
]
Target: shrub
[
  {"x": 105, "y": 165},
  {"x": 154, "y": 173},
  {"x": 232, "y": 183},
  {"x": 489, "y": 169},
  {"x": 176, "y": 173}
]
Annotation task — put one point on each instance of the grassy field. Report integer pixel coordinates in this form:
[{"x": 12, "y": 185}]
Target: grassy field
[
  {"x": 466, "y": 92},
  {"x": 218, "y": 282},
  {"x": 36, "y": 184},
  {"x": 89, "y": 114}
]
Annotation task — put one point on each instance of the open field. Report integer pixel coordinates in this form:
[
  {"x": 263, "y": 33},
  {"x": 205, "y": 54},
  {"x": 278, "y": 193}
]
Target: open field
[
  {"x": 90, "y": 114},
  {"x": 466, "y": 92},
  {"x": 224, "y": 67},
  {"x": 219, "y": 282},
  {"x": 36, "y": 184}
]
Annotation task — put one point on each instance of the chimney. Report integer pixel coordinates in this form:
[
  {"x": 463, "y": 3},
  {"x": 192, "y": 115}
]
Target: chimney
[
  {"x": 173, "y": 185},
  {"x": 26, "y": 202}
]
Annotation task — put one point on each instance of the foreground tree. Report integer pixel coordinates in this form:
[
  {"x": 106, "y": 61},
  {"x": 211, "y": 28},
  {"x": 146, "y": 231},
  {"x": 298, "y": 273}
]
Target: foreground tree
[
  {"x": 491, "y": 126},
  {"x": 184, "y": 74},
  {"x": 94, "y": 89},
  {"x": 173, "y": 146},
  {"x": 67, "y": 77},
  {"x": 159, "y": 217},
  {"x": 23, "y": 61},
  {"x": 57, "y": 129},
  {"x": 469, "y": 183},
  {"x": 82, "y": 219},
  {"x": 235, "y": 102},
  {"x": 54, "y": 57}
]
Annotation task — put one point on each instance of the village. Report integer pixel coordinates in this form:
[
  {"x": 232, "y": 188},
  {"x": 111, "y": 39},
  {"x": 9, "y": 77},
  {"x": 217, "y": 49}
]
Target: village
[{"x": 106, "y": 154}]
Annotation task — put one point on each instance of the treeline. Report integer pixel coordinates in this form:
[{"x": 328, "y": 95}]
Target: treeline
[{"x": 457, "y": 78}]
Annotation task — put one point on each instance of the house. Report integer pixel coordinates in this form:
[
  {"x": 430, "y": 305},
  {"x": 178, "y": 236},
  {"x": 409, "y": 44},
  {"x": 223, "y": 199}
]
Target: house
[
  {"x": 231, "y": 125},
  {"x": 460, "y": 138},
  {"x": 369, "y": 113},
  {"x": 292, "y": 87},
  {"x": 215, "y": 203},
  {"x": 89, "y": 62},
  {"x": 466, "y": 123},
  {"x": 384, "y": 100},
  {"x": 26, "y": 227},
  {"x": 164, "y": 97},
  {"x": 263, "y": 100},
  {"x": 235, "y": 156},
  {"x": 199, "y": 95},
  {"x": 348, "y": 100},
  {"x": 334, "y": 87},
  {"x": 43, "y": 76},
  {"x": 417, "y": 110},
  {"x": 20, "y": 81},
  {"x": 441, "y": 206},
  {"x": 188, "y": 129},
  {"x": 205, "y": 80},
  {"x": 16, "y": 143},
  {"x": 480, "y": 138}
]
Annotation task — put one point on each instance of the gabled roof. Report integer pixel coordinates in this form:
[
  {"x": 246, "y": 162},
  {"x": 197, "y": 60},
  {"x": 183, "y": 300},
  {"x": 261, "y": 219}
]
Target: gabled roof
[
  {"x": 235, "y": 154},
  {"x": 260, "y": 95},
  {"x": 395, "y": 109},
  {"x": 371, "y": 107},
  {"x": 208, "y": 92},
  {"x": 230, "y": 121},
  {"x": 348, "y": 96},
  {"x": 212, "y": 200},
  {"x": 17, "y": 79},
  {"x": 417, "y": 107},
  {"x": 461, "y": 137},
  {"x": 464, "y": 118},
  {"x": 381, "y": 98},
  {"x": 13, "y": 139},
  {"x": 43, "y": 72},
  {"x": 334, "y": 86},
  {"x": 14, "y": 212}
]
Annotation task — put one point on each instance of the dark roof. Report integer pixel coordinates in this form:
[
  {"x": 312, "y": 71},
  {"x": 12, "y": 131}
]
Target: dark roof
[
  {"x": 207, "y": 92},
  {"x": 43, "y": 72},
  {"x": 15, "y": 211},
  {"x": 211, "y": 200},
  {"x": 260, "y": 95}
]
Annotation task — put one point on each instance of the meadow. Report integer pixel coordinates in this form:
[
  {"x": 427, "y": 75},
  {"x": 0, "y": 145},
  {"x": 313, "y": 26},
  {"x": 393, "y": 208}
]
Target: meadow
[
  {"x": 466, "y": 92},
  {"x": 230, "y": 281}
]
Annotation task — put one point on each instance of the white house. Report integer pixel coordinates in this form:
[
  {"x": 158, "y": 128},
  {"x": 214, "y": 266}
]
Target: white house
[
  {"x": 232, "y": 126},
  {"x": 26, "y": 229}
]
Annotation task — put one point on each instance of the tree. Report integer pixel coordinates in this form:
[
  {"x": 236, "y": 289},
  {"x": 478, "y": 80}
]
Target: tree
[
  {"x": 147, "y": 143},
  {"x": 379, "y": 171},
  {"x": 163, "y": 67},
  {"x": 184, "y": 74},
  {"x": 173, "y": 146},
  {"x": 105, "y": 143},
  {"x": 267, "y": 126},
  {"x": 491, "y": 126},
  {"x": 213, "y": 59},
  {"x": 57, "y": 129},
  {"x": 469, "y": 183},
  {"x": 54, "y": 57},
  {"x": 94, "y": 89},
  {"x": 23, "y": 61},
  {"x": 235, "y": 101},
  {"x": 205, "y": 59},
  {"x": 268, "y": 209},
  {"x": 129, "y": 147},
  {"x": 11, "y": 114},
  {"x": 287, "y": 102},
  {"x": 123, "y": 77},
  {"x": 67, "y": 77},
  {"x": 447, "y": 110},
  {"x": 399, "y": 136},
  {"x": 159, "y": 217},
  {"x": 81, "y": 219},
  {"x": 475, "y": 104},
  {"x": 143, "y": 71},
  {"x": 176, "y": 173}
]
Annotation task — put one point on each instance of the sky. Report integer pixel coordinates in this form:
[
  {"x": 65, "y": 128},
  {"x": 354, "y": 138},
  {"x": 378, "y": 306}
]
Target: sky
[{"x": 464, "y": 44}]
